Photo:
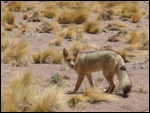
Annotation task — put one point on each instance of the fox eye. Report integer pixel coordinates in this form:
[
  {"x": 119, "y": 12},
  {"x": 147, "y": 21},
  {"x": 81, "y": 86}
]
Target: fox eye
[
  {"x": 68, "y": 60},
  {"x": 73, "y": 59}
]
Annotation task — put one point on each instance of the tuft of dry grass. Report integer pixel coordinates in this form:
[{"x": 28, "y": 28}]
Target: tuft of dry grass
[
  {"x": 36, "y": 17},
  {"x": 106, "y": 14},
  {"x": 136, "y": 17},
  {"x": 3, "y": 31},
  {"x": 57, "y": 42},
  {"x": 51, "y": 9},
  {"x": 117, "y": 26},
  {"x": 137, "y": 40},
  {"x": 25, "y": 16},
  {"x": 41, "y": 56},
  {"x": 15, "y": 6},
  {"x": 8, "y": 17},
  {"x": 91, "y": 95},
  {"x": 70, "y": 4},
  {"x": 49, "y": 100},
  {"x": 21, "y": 95},
  {"x": 8, "y": 27},
  {"x": 49, "y": 55},
  {"x": 6, "y": 42},
  {"x": 17, "y": 53},
  {"x": 71, "y": 32},
  {"x": 128, "y": 9},
  {"x": 56, "y": 56},
  {"x": 46, "y": 27},
  {"x": 77, "y": 16},
  {"x": 92, "y": 27}
]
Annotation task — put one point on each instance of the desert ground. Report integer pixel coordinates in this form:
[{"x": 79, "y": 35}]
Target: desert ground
[{"x": 34, "y": 35}]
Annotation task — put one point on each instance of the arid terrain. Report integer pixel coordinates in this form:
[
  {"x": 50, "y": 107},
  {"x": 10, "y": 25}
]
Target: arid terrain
[{"x": 35, "y": 33}]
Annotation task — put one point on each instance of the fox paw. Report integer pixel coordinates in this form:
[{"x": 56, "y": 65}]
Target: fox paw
[{"x": 71, "y": 92}]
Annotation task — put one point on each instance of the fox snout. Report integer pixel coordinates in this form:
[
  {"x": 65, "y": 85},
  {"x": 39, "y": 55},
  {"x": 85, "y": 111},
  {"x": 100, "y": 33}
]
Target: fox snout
[{"x": 71, "y": 66}]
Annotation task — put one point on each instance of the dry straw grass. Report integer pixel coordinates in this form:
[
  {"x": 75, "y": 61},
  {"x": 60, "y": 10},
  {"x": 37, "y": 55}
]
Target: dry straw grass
[
  {"x": 15, "y": 6},
  {"x": 91, "y": 95},
  {"x": 17, "y": 53},
  {"x": 51, "y": 9},
  {"x": 57, "y": 42},
  {"x": 137, "y": 40},
  {"x": 48, "y": 55},
  {"x": 129, "y": 8},
  {"x": 77, "y": 16},
  {"x": 6, "y": 42},
  {"x": 22, "y": 95},
  {"x": 25, "y": 16},
  {"x": 45, "y": 27},
  {"x": 70, "y": 4},
  {"x": 8, "y": 17},
  {"x": 92, "y": 27}
]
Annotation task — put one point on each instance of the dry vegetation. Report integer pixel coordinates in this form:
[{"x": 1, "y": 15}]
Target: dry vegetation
[
  {"x": 69, "y": 22},
  {"x": 50, "y": 55},
  {"x": 91, "y": 95},
  {"x": 92, "y": 27},
  {"x": 8, "y": 17},
  {"x": 22, "y": 95},
  {"x": 16, "y": 53}
]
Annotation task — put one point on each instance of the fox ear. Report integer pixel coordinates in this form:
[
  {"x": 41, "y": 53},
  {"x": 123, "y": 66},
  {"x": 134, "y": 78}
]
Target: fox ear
[
  {"x": 75, "y": 52},
  {"x": 65, "y": 52}
]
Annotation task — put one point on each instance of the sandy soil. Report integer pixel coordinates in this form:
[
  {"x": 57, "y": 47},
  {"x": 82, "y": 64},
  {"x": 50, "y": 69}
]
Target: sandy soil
[{"x": 138, "y": 72}]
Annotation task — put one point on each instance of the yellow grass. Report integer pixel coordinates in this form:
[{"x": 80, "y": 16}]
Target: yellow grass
[
  {"x": 91, "y": 95},
  {"x": 6, "y": 42},
  {"x": 136, "y": 17},
  {"x": 3, "y": 32},
  {"x": 57, "y": 42},
  {"x": 15, "y": 6},
  {"x": 77, "y": 16},
  {"x": 70, "y": 4},
  {"x": 41, "y": 56},
  {"x": 17, "y": 53},
  {"x": 137, "y": 40},
  {"x": 92, "y": 27},
  {"x": 50, "y": 100},
  {"x": 8, "y": 27},
  {"x": 117, "y": 26},
  {"x": 21, "y": 95},
  {"x": 51, "y": 9},
  {"x": 49, "y": 55},
  {"x": 71, "y": 32},
  {"x": 128, "y": 9},
  {"x": 46, "y": 27},
  {"x": 25, "y": 16},
  {"x": 8, "y": 17}
]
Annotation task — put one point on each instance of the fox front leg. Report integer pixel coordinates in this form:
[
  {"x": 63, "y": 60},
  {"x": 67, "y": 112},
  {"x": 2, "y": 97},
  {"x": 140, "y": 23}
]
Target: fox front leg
[{"x": 78, "y": 83}]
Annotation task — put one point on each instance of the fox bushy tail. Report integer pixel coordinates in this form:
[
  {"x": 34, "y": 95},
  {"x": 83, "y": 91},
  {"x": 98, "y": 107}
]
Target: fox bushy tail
[{"x": 124, "y": 79}]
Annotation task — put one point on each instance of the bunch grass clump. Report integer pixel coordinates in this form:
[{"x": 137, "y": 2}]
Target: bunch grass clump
[
  {"x": 22, "y": 95},
  {"x": 92, "y": 27},
  {"x": 17, "y": 53},
  {"x": 15, "y": 6},
  {"x": 77, "y": 16},
  {"x": 91, "y": 95},
  {"x": 48, "y": 55},
  {"x": 8, "y": 17}
]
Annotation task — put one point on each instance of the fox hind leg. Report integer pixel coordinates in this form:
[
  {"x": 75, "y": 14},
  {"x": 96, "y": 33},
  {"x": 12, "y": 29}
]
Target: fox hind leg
[
  {"x": 90, "y": 79},
  {"x": 109, "y": 78}
]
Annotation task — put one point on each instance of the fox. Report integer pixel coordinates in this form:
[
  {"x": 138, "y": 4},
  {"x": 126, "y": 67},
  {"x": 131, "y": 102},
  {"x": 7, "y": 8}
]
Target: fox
[{"x": 111, "y": 63}]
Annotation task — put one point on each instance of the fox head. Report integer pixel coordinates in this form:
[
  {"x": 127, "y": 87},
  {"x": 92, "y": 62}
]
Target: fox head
[{"x": 70, "y": 57}]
